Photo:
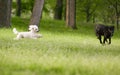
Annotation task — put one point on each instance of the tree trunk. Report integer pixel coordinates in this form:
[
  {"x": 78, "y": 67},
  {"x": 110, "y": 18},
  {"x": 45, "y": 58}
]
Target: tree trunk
[
  {"x": 58, "y": 10},
  {"x": 37, "y": 11},
  {"x": 116, "y": 5},
  {"x": 18, "y": 9},
  {"x": 94, "y": 17},
  {"x": 87, "y": 16},
  {"x": 117, "y": 22},
  {"x": 5, "y": 13},
  {"x": 117, "y": 15},
  {"x": 71, "y": 14}
]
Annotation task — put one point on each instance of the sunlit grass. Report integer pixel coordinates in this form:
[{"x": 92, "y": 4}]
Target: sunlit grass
[{"x": 61, "y": 51}]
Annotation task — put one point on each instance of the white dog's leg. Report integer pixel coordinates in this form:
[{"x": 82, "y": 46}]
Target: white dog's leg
[{"x": 18, "y": 37}]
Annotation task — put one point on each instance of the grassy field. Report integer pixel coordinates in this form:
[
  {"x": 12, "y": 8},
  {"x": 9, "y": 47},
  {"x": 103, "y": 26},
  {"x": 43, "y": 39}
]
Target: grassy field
[{"x": 61, "y": 51}]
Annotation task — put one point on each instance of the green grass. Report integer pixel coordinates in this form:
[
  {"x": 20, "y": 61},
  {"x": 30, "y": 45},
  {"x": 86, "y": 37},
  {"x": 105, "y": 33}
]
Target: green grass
[{"x": 61, "y": 51}]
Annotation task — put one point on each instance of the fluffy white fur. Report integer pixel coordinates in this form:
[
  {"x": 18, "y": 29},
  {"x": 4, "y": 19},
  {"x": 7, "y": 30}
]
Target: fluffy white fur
[{"x": 33, "y": 29}]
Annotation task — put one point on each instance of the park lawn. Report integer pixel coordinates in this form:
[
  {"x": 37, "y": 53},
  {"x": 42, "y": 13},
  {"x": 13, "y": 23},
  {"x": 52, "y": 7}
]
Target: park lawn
[{"x": 61, "y": 51}]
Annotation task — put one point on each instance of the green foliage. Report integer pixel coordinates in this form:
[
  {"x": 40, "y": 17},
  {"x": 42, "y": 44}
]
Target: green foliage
[
  {"x": 61, "y": 51},
  {"x": 21, "y": 24},
  {"x": 26, "y": 6},
  {"x": 102, "y": 11}
]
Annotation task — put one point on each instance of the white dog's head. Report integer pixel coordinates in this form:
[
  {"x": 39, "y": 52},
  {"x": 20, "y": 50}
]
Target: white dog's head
[{"x": 33, "y": 28}]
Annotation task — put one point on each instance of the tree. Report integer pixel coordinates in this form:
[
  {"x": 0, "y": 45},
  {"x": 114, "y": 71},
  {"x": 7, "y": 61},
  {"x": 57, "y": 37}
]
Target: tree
[
  {"x": 58, "y": 9},
  {"x": 37, "y": 12},
  {"x": 5, "y": 13},
  {"x": 71, "y": 13},
  {"x": 88, "y": 7},
  {"x": 18, "y": 9},
  {"x": 116, "y": 5}
]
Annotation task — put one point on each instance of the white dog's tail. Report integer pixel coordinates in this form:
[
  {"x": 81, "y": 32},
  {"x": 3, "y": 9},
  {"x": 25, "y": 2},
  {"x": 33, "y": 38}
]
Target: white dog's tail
[{"x": 15, "y": 31}]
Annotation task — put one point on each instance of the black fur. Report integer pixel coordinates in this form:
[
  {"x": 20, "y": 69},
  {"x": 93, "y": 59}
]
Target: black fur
[{"x": 106, "y": 31}]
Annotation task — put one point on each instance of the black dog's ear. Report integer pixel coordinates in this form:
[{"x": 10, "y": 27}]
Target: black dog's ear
[{"x": 112, "y": 27}]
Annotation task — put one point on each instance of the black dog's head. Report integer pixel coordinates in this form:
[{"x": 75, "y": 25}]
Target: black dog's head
[{"x": 111, "y": 30}]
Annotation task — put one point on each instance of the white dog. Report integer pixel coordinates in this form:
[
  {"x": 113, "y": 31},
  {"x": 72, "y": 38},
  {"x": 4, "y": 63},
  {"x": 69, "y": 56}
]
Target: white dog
[{"x": 33, "y": 29}]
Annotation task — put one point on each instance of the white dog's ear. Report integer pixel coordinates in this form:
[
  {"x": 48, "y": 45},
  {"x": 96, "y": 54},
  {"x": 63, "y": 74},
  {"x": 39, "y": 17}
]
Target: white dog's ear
[{"x": 29, "y": 28}]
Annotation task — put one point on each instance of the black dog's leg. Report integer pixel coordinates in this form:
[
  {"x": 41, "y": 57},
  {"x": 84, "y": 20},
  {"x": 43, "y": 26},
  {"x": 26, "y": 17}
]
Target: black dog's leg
[
  {"x": 109, "y": 41},
  {"x": 105, "y": 39},
  {"x": 100, "y": 39}
]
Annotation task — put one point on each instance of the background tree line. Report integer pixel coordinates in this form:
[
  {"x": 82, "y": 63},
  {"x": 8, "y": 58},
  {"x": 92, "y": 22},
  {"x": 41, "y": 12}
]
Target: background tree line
[{"x": 72, "y": 11}]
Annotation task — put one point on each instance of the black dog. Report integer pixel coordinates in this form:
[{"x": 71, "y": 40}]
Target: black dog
[{"x": 106, "y": 31}]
